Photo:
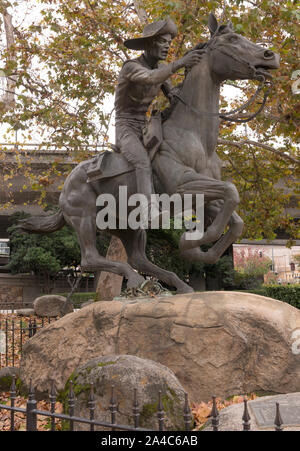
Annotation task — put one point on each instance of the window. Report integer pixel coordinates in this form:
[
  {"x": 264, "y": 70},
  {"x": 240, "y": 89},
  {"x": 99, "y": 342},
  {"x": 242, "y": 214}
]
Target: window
[{"x": 4, "y": 248}]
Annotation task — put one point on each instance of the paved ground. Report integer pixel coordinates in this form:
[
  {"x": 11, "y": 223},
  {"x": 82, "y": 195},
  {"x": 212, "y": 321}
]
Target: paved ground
[{"x": 262, "y": 412}]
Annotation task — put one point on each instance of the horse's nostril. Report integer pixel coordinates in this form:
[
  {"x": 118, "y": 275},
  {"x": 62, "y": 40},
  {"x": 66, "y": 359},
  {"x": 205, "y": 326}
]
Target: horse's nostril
[{"x": 268, "y": 54}]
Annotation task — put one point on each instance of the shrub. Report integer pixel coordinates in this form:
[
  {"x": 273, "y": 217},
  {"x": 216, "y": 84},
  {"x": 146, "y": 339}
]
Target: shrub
[
  {"x": 79, "y": 298},
  {"x": 251, "y": 262},
  {"x": 285, "y": 293},
  {"x": 247, "y": 281}
]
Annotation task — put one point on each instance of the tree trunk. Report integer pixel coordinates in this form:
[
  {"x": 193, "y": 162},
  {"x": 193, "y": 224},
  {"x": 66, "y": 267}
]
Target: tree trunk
[
  {"x": 8, "y": 98},
  {"x": 109, "y": 285}
]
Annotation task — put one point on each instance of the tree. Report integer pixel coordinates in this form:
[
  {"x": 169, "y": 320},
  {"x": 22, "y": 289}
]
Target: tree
[
  {"x": 78, "y": 44},
  {"x": 251, "y": 262},
  {"x": 251, "y": 266},
  {"x": 45, "y": 256}
]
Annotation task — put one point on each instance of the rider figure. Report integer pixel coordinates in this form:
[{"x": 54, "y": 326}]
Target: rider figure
[{"x": 139, "y": 82}]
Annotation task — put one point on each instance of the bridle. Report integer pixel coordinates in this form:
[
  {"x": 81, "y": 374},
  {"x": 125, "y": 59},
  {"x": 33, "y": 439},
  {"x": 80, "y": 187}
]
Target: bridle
[{"x": 231, "y": 115}]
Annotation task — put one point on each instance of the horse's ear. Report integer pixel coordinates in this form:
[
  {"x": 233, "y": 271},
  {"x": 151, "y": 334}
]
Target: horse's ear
[{"x": 212, "y": 23}]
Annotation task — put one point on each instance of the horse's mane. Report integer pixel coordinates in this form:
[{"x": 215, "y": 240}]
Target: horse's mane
[{"x": 166, "y": 113}]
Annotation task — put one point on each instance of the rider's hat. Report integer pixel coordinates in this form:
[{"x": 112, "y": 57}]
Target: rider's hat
[{"x": 166, "y": 26}]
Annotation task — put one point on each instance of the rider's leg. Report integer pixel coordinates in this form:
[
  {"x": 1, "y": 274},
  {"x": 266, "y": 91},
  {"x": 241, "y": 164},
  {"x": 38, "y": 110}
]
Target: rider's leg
[{"x": 129, "y": 141}]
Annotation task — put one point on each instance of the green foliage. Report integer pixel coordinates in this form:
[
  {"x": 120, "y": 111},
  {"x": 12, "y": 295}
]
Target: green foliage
[
  {"x": 222, "y": 270},
  {"x": 251, "y": 262},
  {"x": 162, "y": 249},
  {"x": 79, "y": 298},
  {"x": 246, "y": 281},
  {"x": 285, "y": 293},
  {"x": 79, "y": 46},
  {"x": 43, "y": 255}
]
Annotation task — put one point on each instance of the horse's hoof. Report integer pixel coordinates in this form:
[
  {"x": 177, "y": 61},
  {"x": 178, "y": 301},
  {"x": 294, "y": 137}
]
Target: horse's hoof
[{"x": 135, "y": 282}]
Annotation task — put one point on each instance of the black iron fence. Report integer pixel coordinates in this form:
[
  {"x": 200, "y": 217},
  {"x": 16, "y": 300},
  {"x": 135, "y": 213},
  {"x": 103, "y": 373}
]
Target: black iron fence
[
  {"x": 14, "y": 333},
  {"x": 246, "y": 419},
  {"x": 31, "y": 413}
]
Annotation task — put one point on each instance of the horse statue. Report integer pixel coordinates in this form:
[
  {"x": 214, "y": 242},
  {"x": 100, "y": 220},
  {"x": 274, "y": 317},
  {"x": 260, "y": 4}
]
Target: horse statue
[{"x": 186, "y": 163}]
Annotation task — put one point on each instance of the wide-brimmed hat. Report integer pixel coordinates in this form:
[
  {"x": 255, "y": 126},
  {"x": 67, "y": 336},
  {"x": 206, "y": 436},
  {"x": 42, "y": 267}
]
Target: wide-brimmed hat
[{"x": 166, "y": 26}]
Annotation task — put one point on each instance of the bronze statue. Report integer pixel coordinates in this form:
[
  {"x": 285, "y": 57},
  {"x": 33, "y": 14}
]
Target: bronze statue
[
  {"x": 139, "y": 83},
  {"x": 186, "y": 161}
]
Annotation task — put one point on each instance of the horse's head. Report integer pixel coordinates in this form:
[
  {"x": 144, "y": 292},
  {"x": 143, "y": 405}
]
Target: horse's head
[{"x": 233, "y": 57}]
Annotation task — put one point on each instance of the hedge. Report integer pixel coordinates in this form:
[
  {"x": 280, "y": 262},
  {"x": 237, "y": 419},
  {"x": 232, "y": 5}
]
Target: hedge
[
  {"x": 80, "y": 298},
  {"x": 284, "y": 293}
]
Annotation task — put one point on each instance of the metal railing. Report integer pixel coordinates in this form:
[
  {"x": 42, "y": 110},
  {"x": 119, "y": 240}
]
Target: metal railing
[
  {"x": 14, "y": 333},
  {"x": 32, "y": 412},
  {"x": 246, "y": 419}
]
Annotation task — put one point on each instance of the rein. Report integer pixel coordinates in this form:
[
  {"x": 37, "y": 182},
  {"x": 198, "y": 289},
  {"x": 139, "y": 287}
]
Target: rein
[{"x": 229, "y": 116}]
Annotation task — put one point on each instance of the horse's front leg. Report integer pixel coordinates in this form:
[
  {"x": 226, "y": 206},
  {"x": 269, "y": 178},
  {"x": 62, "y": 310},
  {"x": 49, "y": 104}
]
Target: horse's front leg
[
  {"x": 212, "y": 190},
  {"x": 236, "y": 225}
]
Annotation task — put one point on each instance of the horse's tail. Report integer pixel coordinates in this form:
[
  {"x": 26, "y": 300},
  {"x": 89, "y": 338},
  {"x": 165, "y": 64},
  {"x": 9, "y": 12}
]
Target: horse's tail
[{"x": 42, "y": 224}]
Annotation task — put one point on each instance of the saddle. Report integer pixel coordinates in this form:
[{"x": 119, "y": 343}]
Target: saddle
[
  {"x": 110, "y": 164},
  {"x": 106, "y": 165}
]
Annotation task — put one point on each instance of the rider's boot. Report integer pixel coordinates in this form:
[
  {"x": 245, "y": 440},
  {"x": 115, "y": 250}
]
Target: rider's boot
[{"x": 150, "y": 209}]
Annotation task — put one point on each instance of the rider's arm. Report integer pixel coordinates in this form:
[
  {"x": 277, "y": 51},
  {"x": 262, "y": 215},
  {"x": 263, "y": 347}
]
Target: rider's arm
[{"x": 139, "y": 74}]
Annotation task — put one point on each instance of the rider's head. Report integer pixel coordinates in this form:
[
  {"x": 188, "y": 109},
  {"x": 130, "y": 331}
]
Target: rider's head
[
  {"x": 156, "y": 39},
  {"x": 158, "y": 47}
]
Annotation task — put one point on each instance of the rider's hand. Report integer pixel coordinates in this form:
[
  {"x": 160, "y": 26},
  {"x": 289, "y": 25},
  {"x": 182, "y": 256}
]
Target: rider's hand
[{"x": 190, "y": 59}]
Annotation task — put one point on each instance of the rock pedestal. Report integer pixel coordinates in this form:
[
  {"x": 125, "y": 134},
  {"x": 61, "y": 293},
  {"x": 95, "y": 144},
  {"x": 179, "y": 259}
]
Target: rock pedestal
[
  {"x": 216, "y": 343},
  {"x": 127, "y": 373}
]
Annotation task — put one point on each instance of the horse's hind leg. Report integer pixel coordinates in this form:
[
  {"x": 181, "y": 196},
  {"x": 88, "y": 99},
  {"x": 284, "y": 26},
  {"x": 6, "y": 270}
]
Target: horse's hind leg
[
  {"x": 80, "y": 213},
  {"x": 134, "y": 242}
]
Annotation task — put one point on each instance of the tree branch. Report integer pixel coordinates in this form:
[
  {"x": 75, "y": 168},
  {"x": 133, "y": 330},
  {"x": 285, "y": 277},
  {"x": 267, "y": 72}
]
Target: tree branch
[
  {"x": 240, "y": 144},
  {"x": 141, "y": 13}
]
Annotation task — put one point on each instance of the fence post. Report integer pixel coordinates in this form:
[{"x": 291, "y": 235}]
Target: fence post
[
  {"x": 160, "y": 412},
  {"x": 246, "y": 417},
  {"x": 113, "y": 406},
  {"x": 52, "y": 404},
  {"x": 91, "y": 406},
  {"x": 215, "y": 416},
  {"x": 30, "y": 407},
  {"x": 71, "y": 405},
  {"x": 135, "y": 409},
  {"x": 278, "y": 420},
  {"x": 187, "y": 413},
  {"x": 13, "y": 342},
  {"x": 34, "y": 327},
  {"x": 30, "y": 328},
  {"x": 12, "y": 403}
]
